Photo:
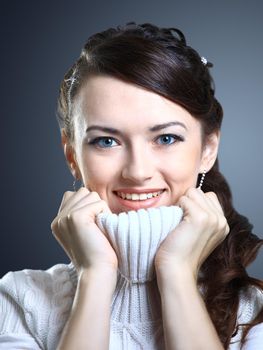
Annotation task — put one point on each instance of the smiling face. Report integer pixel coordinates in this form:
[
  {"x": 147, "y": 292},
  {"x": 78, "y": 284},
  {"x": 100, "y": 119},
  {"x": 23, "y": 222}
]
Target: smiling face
[{"x": 130, "y": 140}]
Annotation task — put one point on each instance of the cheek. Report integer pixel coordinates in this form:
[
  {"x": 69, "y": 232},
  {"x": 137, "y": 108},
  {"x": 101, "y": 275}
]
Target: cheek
[
  {"x": 98, "y": 173},
  {"x": 183, "y": 166}
]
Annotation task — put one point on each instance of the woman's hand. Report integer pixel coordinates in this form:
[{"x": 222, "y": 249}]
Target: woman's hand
[
  {"x": 76, "y": 231},
  {"x": 202, "y": 229}
]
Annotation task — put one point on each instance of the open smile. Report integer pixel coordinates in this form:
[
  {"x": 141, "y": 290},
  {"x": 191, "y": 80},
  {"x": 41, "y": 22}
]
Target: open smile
[{"x": 137, "y": 201}]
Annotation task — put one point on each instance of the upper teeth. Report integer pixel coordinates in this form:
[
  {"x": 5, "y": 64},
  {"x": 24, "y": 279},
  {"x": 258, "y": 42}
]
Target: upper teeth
[{"x": 138, "y": 196}]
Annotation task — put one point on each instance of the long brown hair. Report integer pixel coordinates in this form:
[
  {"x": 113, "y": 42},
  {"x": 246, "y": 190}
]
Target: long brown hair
[{"x": 159, "y": 59}]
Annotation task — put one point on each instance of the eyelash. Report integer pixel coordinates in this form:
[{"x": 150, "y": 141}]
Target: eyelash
[{"x": 96, "y": 140}]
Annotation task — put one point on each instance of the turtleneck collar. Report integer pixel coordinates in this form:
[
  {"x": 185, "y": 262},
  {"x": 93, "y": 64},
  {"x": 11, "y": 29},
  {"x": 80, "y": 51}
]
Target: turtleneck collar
[{"x": 136, "y": 237}]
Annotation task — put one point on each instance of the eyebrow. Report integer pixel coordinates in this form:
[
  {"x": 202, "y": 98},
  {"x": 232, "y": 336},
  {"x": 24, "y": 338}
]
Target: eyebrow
[{"x": 118, "y": 132}]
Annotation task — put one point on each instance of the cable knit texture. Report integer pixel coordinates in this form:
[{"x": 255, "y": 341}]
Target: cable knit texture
[
  {"x": 35, "y": 304},
  {"x": 136, "y": 309}
]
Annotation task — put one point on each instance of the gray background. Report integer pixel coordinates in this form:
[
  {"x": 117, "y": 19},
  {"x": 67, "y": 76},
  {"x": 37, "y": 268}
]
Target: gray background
[{"x": 41, "y": 39}]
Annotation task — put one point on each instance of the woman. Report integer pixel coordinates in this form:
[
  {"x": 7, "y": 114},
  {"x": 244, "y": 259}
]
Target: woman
[{"x": 158, "y": 253}]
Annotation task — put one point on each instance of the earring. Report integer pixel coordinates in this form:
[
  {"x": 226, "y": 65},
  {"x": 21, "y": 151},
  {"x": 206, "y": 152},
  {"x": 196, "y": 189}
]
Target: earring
[
  {"x": 202, "y": 179},
  {"x": 75, "y": 183}
]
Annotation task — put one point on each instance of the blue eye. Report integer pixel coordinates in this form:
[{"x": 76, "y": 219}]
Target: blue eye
[
  {"x": 169, "y": 139},
  {"x": 103, "y": 142}
]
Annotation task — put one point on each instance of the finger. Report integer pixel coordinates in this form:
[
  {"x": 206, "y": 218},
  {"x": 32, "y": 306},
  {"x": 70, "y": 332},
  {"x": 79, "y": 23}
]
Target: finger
[
  {"x": 213, "y": 199},
  {"x": 217, "y": 209},
  {"x": 199, "y": 197},
  {"x": 74, "y": 200},
  {"x": 223, "y": 224},
  {"x": 214, "y": 227},
  {"x": 87, "y": 200},
  {"x": 191, "y": 208},
  {"x": 78, "y": 196},
  {"x": 64, "y": 200},
  {"x": 67, "y": 198},
  {"x": 80, "y": 215},
  {"x": 88, "y": 212}
]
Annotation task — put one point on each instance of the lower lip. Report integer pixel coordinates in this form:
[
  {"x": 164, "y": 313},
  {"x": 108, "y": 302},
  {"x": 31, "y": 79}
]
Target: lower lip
[{"x": 136, "y": 205}]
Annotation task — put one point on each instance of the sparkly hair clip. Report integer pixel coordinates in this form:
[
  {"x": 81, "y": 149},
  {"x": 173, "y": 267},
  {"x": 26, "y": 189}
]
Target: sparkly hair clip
[{"x": 204, "y": 60}]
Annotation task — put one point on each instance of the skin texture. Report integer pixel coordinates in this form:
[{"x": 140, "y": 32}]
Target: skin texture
[{"x": 138, "y": 159}]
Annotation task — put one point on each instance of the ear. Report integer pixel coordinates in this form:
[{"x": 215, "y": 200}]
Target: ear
[
  {"x": 210, "y": 151},
  {"x": 70, "y": 155}
]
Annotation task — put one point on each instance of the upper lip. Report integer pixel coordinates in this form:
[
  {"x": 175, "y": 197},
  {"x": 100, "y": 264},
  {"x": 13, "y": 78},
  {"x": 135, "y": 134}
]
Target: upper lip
[{"x": 135, "y": 190}]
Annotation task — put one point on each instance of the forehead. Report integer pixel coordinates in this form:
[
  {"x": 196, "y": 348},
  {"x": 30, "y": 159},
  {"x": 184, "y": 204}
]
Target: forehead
[{"x": 107, "y": 100}]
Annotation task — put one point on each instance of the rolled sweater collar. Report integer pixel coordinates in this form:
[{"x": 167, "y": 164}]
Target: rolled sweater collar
[{"x": 136, "y": 237}]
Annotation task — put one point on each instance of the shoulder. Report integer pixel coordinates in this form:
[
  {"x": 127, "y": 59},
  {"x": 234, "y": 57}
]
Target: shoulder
[
  {"x": 39, "y": 299},
  {"x": 57, "y": 277},
  {"x": 250, "y": 303}
]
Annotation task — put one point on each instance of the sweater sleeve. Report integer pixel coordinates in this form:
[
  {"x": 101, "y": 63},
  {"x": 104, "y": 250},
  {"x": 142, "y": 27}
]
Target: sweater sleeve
[
  {"x": 14, "y": 341},
  {"x": 251, "y": 302},
  {"x": 254, "y": 338},
  {"x": 34, "y": 307},
  {"x": 255, "y": 335},
  {"x": 14, "y": 333}
]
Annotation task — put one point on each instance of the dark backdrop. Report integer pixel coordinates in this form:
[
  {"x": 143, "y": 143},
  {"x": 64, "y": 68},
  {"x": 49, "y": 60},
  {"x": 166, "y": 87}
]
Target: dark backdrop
[{"x": 41, "y": 39}]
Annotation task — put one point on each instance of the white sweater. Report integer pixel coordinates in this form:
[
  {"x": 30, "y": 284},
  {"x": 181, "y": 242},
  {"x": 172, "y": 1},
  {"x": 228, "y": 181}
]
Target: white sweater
[{"x": 35, "y": 304}]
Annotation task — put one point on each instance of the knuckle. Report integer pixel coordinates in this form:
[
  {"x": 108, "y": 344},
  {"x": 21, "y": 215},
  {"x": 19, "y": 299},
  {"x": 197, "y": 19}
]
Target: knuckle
[
  {"x": 211, "y": 194},
  {"x": 60, "y": 222},
  {"x": 214, "y": 221},
  {"x": 67, "y": 194},
  {"x": 71, "y": 216},
  {"x": 94, "y": 196},
  {"x": 223, "y": 226},
  {"x": 191, "y": 192},
  {"x": 54, "y": 225},
  {"x": 203, "y": 217},
  {"x": 183, "y": 199},
  {"x": 223, "y": 222},
  {"x": 83, "y": 189},
  {"x": 60, "y": 225},
  {"x": 226, "y": 228},
  {"x": 74, "y": 216}
]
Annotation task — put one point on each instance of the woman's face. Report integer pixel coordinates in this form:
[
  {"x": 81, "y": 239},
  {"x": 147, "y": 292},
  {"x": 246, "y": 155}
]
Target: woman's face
[{"x": 136, "y": 148}]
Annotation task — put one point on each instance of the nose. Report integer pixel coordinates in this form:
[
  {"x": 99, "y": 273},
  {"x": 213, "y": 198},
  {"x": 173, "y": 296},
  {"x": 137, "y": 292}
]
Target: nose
[{"x": 138, "y": 166}]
